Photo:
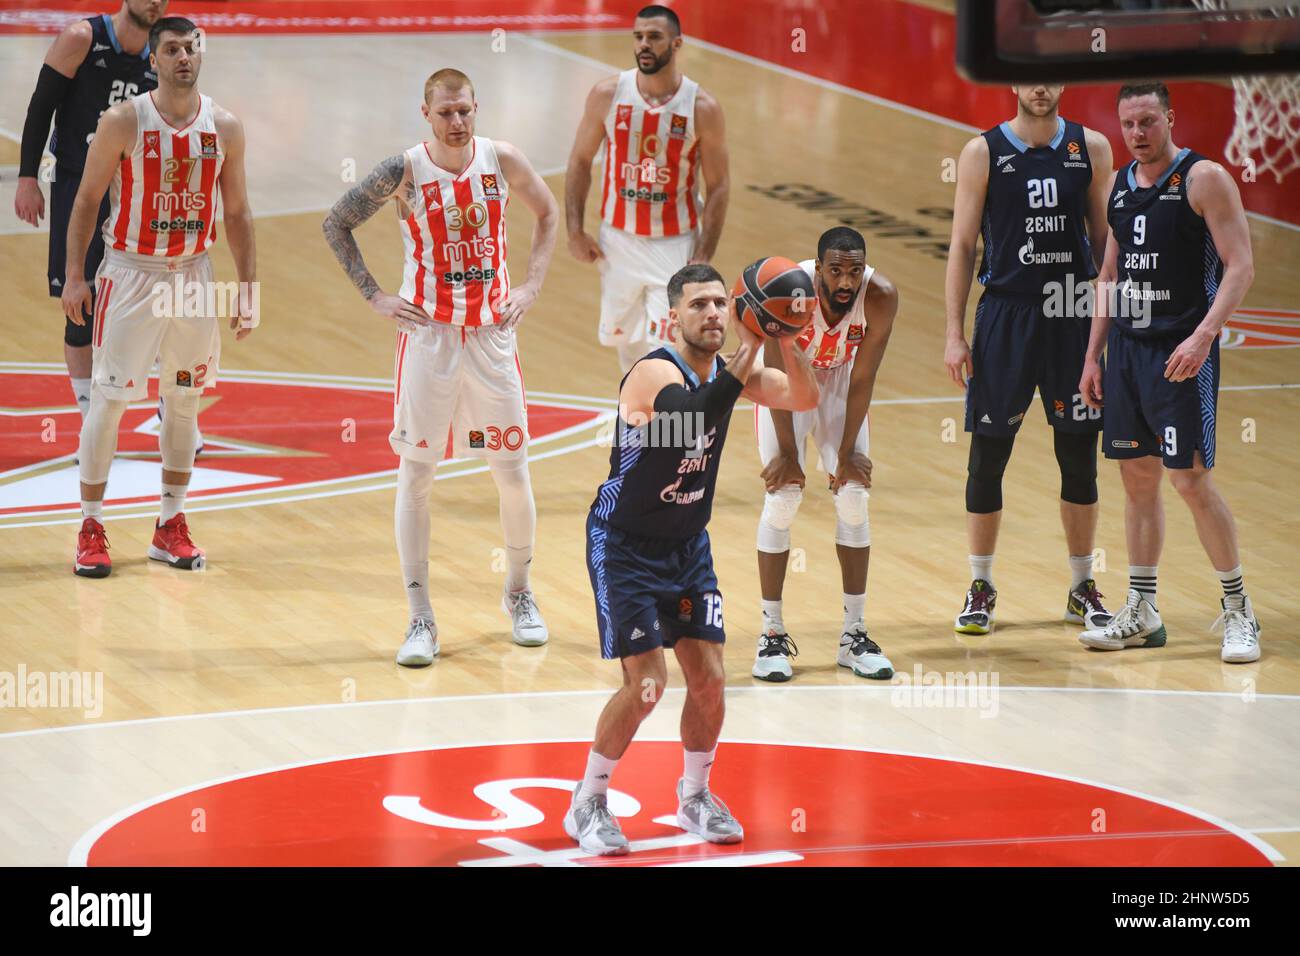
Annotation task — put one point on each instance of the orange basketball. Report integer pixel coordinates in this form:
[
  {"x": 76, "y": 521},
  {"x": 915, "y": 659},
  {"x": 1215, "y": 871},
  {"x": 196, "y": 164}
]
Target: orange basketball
[{"x": 775, "y": 297}]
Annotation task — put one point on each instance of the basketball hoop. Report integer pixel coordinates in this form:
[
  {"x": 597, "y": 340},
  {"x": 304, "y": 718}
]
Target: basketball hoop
[{"x": 1266, "y": 130}]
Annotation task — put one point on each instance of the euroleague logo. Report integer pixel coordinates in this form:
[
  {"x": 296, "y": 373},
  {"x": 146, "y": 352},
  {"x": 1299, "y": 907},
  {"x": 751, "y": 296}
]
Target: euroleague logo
[
  {"x": 499, "y": 805},
  {"x": 1261, "y": 329},
  {"x": 267, "y": 437}
]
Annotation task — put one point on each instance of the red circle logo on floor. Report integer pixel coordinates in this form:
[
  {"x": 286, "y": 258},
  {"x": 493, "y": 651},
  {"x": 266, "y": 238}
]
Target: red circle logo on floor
[{"x": 502, "y": 805}]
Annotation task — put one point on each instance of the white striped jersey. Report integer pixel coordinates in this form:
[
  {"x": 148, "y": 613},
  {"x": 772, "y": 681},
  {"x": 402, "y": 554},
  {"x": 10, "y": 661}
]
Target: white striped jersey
[
  {"x": 455, "y": 238},
  {"x": 828, "y": 347},
  {"x": 651, "y": 161},
  {"x": 164, "y": 195}
]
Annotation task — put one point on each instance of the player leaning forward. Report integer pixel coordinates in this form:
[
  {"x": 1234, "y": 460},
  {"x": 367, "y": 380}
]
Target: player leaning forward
[
  {"x": 648, "y": 551},
  {"x": 165, "y": 154},
  {"x": 845, "y": 342},
  {"x": 1179, "y": 248},
  {"x": 456, "y": 363}
]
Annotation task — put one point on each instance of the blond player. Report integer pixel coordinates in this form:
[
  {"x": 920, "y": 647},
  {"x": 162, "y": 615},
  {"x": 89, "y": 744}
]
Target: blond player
[
  {"x": 456, "y": 366},
  {"x": 661, "y": 134},
  {"x": 845, "y": 342},
  {"x": 166, "y": 153}
]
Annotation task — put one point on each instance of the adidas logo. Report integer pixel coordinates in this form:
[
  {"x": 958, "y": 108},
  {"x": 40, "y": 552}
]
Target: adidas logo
[
  {"x": 1009, "y": 168},
  {"x": 100, "y": 62},
  {"x": 422, "y": 444},
  {"x": 986, "y": 420},
  {"x": 1119, "y": 204},
  {"x": 57, "y": 282},
  {"x": 1003, "y": 159},
  {"x": 1121, "y": 194},
  {"x": 637, "y": 633},
  {"x": 99, "y": 47},
  {"x": 413, "y": 584}
]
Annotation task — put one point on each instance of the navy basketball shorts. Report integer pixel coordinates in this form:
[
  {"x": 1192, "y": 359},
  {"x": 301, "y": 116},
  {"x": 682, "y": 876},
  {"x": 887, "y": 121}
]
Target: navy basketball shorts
[
  {"x": 1016, "y": 348},
  {"x": 651, "y": 592},
  {"x": 63, "y": 192},
  {"x": 1146, "y": 414}
]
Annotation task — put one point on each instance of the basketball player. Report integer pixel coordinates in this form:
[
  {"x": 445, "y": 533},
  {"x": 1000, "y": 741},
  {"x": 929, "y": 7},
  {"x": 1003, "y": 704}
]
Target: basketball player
[
  {"x": 1179, "y": 248},
  {"x": 165, "y": 154},
  {"x": 1029, "y": 187},
  {"x": 93, "y": 64},
  {"x": 660, "y": 131},
  {"x": 457, "y": 366},
  {"x": 648, "y": 551},
  {"x": 844, "y": 342}
]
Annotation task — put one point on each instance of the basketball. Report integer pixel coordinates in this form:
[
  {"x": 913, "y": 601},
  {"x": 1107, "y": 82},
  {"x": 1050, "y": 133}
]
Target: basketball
[{"x": 775, "y": 297}]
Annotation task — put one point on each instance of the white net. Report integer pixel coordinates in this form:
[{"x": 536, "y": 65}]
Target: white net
[{"x": 1266, "y": 129}]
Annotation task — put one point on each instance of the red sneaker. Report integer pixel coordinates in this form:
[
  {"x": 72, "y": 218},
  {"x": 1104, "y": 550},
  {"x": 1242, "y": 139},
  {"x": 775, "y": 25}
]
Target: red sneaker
[
  {"x": 172, "y": 545},
  {"x": 92, "y": 559}
]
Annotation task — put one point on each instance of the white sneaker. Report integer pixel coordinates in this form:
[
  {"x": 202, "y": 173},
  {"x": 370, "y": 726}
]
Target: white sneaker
[
  {"x": 775, "y": 648},
  {"x": 1240, "y": 630},
  {"x": 528, "y": 629},
  {"x": 863, "y": 655},
  {"x": 1137, "y": 624},
  {"x": 706, "y": 816},
  {"x": 421, "y": 644},
  {"x": 594, "y": 827}
]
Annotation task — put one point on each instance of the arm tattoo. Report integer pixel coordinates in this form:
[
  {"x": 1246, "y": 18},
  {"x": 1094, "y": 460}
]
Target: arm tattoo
[{"x": 356, "y": 206}]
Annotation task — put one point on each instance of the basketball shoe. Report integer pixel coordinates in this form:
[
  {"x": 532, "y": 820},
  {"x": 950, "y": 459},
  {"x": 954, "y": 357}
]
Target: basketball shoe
[
  {"x": 1083, "y": 606},
  {"x": 1137, "y": 624},
  {"x": 1240, "y": 630},
  {"x": 977, "y": 615},
  {"x": 421, "y": 644},
  {"x": 863, "y": 655},
  {"x": 705, "y": 815},
  {"x": 593, "y": 825},
  {"x": 92, "y": 559},
  {"x": 172, "y": 545},
  {"x": 527, "y": 627},
  {"x": 775, "y": 648}
]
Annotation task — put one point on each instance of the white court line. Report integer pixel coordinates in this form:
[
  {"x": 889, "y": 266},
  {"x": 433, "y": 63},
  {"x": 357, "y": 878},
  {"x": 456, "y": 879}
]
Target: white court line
[
  {"x": 80, "y": 851},
  {"x": 880, "y": 687}
]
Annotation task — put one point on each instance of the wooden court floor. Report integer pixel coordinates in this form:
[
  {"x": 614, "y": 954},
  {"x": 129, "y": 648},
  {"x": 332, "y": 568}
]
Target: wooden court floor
[{"x": 302, "y": 605}]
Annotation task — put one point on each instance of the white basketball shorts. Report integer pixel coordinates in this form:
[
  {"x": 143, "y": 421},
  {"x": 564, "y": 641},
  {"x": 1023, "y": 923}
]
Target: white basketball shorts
[{"x": 634, "y": 285}]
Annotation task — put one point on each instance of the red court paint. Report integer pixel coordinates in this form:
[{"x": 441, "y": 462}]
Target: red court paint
[{"x": 803, "y": 806}]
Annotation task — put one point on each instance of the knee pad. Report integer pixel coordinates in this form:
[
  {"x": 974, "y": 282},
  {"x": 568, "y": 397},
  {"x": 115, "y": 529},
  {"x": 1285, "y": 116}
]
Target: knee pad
[
  {"x": 988, "y": 460},
  {"x": 99, "y": 437},
  {"x": 779, "y": 509},
  {"x": 1077, "y": 456},
  {"x": 78, "y": 336},
  {"x": 178, "y": 434},
  {"x": 852, "y": 528}
]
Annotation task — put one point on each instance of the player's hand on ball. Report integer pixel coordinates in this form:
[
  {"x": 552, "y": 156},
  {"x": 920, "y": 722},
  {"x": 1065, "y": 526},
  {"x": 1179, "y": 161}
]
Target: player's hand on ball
[
  {"x": 519, "y": 301},
  {"x": 854, "y": 467},
  {"x": 1090, "y": 384},
  {"x": 584, "y": 247},
  {"x": 781, "y": 471},
  {"x": 747, "y": 335},
  {"x": 956, "y": 356},
  {"x": 29, "y": 201},
  {"x": 76, "y": 300},
  {"x": 1188, "y": 357},
  {"x": 407, "y": 316}
]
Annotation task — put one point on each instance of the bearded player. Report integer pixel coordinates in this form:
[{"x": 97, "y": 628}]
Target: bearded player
[
  {"x": 661, "y": 134},
  {"x": 1179, "y": 247},
  {"x": 1034, "y": 189},
  {"x": 457, "y": 365},
  {"x": 648, "y": 551},
  {"x": 844, "y": 342},
  {"x": 166, "y": 154}
]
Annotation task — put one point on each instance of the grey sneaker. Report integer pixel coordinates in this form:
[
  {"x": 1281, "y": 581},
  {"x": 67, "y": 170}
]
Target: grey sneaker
[
  {"x": 421, "y": 644},
  {"x": 527, "y": 627},
  {"x": 705, "y": 815},
  {"x": 594, "y": 827},
  {"x": 863, "y": 655},
  {"x": 1240, "y": 630}
]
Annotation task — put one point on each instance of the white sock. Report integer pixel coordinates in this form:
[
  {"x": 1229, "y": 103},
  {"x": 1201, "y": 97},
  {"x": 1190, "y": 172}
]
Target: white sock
[
  {"x": 595, "y": 782},
  {"x": 1232, "y": 581},
  {"x": 981, "y": 568},
  {"x": 411, "y": 520},
  {"x": 1080, "y": 568},
  {"x": 695, "y": 771},
  {"x": 81, "y": 392},
  {"x": 416, "y": 577},
  {"x": 173, "y": 501},
  {"x": 772, "y": 616},
  {"x": 518, "y": 560},
  {"x": 854, "y": 605},
  {"x": 1143, "y": 580},
  {"x": 518, "y": 518},
  {"x": 93, "y": 509}
]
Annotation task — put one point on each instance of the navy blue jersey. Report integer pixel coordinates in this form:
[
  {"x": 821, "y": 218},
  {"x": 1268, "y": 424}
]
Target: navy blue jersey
[
  {"x": 1169, "y": 268},
  {"x": 1035, "y": 211},
  {"x": 661, "y": 479},
  {"x": 107, "y": 76}
]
